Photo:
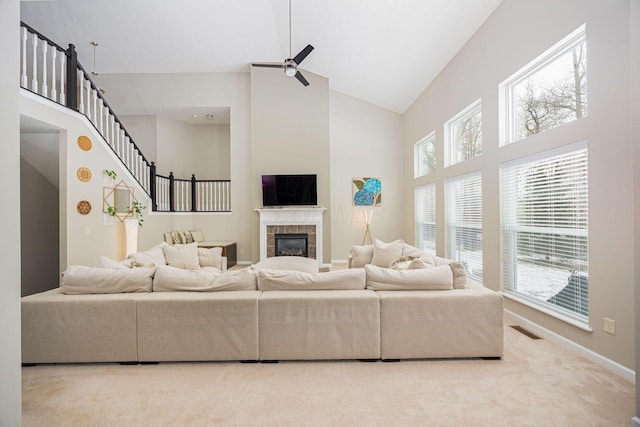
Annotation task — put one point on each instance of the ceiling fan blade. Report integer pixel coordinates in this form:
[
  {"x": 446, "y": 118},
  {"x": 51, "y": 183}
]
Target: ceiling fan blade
[
  {"x": 303, "y": 54},
  {"x": 300, "y": 77},
  {"x": 267, "y": 65}
]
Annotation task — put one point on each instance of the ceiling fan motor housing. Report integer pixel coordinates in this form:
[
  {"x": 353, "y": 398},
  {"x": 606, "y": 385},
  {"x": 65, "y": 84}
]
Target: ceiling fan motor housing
[{"x": 290, "y": 67}]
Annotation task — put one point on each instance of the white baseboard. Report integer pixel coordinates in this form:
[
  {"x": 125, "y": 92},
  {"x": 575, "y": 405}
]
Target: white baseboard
[
  {"x": 635, "y": 422},
  {"x": 608, "y": 364},
  {"x": 244, "y": 263}
]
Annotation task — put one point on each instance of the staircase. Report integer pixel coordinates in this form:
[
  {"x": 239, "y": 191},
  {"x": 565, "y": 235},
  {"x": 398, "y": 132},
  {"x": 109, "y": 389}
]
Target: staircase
[{"x": 52, "y": 72}]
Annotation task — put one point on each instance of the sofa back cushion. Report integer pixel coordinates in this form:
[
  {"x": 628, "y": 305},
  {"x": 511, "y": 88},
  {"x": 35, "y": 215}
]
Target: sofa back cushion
[
  {"x": 79, "y": 279},
  {"x": 293, "y": 263},
  {"x": 210, "y": 257},
  {"x": 283, "y": 280},
  {"x": 386, "y": 279}
]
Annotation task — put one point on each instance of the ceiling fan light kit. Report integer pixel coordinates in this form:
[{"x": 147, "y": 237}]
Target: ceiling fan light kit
[{"x": 290, "y": 65}]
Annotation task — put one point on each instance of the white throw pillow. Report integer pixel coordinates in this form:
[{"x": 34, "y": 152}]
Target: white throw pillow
[
  {"x": 149, "y": 258},
  {"x": 183, "y": 256},
  {"x": 79, "y": 279},
  {"x": 361, "y": 255},
  {"x": 385, "y": 253},
  {"x": 197, "y": 235},
  {"x": 210, "y": 257},
  {"x": 386, "y": 279}
]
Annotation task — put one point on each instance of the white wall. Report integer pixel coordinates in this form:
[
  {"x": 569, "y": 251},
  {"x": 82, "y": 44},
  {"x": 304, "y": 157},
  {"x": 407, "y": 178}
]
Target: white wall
[
  {"x": 211, "y": 151},
  {"x": 10, "y": 386},
  {"x": 365, "y": 141},
  {"x": 516, "y": 33}
]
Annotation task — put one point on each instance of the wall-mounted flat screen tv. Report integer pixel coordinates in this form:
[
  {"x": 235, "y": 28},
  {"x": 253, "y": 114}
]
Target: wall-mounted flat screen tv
[{"x": 289, "y": 190}]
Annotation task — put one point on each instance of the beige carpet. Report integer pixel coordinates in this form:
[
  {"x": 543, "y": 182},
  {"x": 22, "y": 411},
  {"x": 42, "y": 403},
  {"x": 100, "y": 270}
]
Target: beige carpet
[{"x": 537, "y": 383}]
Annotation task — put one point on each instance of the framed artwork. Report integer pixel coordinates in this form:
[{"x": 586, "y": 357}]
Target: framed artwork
[{"x": 367, "y": 191}]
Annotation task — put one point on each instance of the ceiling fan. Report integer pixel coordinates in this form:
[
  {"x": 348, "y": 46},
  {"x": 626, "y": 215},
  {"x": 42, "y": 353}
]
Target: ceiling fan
[{"x": 290, "y": 65}]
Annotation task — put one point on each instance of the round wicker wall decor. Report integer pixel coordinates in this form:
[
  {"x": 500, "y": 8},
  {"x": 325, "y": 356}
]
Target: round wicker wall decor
[
  {"x": 84, "y": 143},
  {"x": 84, "y": 207},
  {"x": 84, "y": 174}
]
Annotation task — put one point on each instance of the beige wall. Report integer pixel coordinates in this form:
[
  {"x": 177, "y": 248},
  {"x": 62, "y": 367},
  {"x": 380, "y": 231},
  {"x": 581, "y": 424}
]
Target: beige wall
[
  {"x": 10, "y": 386},
  {"x": 365, "y": 141},
  {"x": 143, "y": 130},
  {"x": 515, "y": 34},
  {"x": 290, "y": 135},
  {"x": 212, "y": 151}
]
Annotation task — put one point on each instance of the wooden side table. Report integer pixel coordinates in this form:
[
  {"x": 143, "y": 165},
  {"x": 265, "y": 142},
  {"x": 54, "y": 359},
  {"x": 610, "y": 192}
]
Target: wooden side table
[{"x": 228, "y": 250}]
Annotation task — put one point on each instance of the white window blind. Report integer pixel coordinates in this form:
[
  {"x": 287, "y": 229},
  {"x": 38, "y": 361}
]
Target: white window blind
[
  {"x": 464, "y": 222},
  {"x": 425, "y": 203},
  {"x": 544, "y": 230}
]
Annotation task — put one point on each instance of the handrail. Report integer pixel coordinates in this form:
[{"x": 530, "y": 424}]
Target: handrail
[{"x": 74, "y": 82}]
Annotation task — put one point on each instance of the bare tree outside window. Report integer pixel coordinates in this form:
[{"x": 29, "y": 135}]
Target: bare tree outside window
[
  {"x": 425, "y": 155},
  {"x": 464, "y": 134}
]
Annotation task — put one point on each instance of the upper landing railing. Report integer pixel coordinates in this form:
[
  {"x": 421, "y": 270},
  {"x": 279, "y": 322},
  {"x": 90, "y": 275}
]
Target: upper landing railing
[{"x": 55, "y": 73}]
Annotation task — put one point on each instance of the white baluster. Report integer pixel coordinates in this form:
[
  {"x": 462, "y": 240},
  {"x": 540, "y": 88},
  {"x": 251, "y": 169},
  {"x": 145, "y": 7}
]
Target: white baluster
[
  {"x": 54, "y": 54},
  {"x": 63, "y": 76},
  {"x": 34, "y": 77},
  {"x": 23, "y": 76},
  {"x": 45, "y": 88},
  {"x": 95, "y": 107},
  {"x": 81, "y": 78}
]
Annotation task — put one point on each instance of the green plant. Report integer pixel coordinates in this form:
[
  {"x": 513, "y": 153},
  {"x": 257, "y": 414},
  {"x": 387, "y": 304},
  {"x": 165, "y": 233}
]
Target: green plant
[
  {"x": 111, "y": 174},
  {"x": 136, "y": 209},
  {"x": 111, "y": 211}
]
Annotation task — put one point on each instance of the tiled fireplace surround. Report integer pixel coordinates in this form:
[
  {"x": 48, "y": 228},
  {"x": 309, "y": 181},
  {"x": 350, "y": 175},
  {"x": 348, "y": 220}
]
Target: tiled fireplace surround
[{"x": 291, "y": 220}]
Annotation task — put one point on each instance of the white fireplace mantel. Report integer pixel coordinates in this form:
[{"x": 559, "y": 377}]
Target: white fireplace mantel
[{"x": 291, "y": 216}]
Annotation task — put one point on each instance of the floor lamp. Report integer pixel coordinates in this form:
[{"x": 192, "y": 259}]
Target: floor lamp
[{"x": 368, "y": 214}]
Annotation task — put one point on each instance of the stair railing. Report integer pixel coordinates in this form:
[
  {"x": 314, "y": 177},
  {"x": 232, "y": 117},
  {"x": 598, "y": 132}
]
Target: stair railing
[{"x": 48, "y": 70}]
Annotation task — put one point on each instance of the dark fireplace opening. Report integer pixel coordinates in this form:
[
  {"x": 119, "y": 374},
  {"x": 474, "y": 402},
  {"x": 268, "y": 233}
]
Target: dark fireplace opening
[{"x": 291, "y": 244}]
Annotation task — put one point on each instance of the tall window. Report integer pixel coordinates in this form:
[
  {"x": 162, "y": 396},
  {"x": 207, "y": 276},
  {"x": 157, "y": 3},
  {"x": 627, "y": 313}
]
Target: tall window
[
  {"x": 463, "y": 134},
  {"x": 425, "y": 155},
  {"x": 425, "y": 201},
  {"x": 464, "y": 222},
  {"x": 544, "y": 230},
  {"x": 548, "y": 92}
]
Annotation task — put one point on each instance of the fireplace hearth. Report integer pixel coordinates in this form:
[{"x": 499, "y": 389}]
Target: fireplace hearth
[{"x": 291, "y": 244}]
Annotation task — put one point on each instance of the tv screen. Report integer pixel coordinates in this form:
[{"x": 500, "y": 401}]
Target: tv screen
[{"x": 289, "y": 190}]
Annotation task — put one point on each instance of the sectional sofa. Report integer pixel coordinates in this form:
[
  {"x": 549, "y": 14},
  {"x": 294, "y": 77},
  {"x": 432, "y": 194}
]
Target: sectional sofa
[{"x": 279, "y": 309}]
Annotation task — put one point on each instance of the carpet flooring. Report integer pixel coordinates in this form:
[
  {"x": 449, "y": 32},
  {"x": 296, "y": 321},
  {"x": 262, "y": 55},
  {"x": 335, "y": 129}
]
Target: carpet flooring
[{"x": 537, "y": 383}]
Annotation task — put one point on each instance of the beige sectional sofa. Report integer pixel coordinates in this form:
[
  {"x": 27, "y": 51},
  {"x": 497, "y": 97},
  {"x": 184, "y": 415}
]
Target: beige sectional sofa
[{"x": 279, "y": 309}]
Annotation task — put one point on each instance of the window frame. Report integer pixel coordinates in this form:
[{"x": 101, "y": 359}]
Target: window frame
[
  {"x": 508, "y": 252},
  {"x": 451, "y": 146},
  {"x": 420, "y": 214},
  {"x": 417, "y": 169},
  {"x": 507, "y": 133}
]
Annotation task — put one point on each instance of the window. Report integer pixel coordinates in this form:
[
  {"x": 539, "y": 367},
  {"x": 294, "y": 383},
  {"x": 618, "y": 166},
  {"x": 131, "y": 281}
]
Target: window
[
  {"x": 548, "y": 92},
  {"x": 544, "y": 230},
  {"x": 464, "y": 222},
  {"x": 463, "y": 134},
  {"x": 425, "y": 155},
  {"x": 425, "y": 201}
]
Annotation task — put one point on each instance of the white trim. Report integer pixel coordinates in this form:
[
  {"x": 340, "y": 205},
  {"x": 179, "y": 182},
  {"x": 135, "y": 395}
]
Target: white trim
[
  {"x": 635, "y": 422},
  {"x": 339, "y": 261},
  {"x": 546, "y": 310},
  {"x": 606, "y": 363}
]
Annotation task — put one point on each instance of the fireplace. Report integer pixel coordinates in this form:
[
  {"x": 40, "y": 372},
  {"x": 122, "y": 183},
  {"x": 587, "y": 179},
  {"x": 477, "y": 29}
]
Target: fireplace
[{"x": 291, "y": 244}]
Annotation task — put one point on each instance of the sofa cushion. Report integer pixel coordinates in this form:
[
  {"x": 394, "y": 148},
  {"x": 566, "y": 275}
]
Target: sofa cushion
[
  {"x": 386, "y": 279},
  {"x": 361, "y": 255},
  {"x": 295, "y": 263},
  {"x": 79, "y": 279},
  {"x": 237, "y": 280},
  {"x": 183, "y": 256},
  {"x": 210, "y": 257},
  {"x": 385, "y": 253},
  {"x": 172, "y": 279},
  {"x": 105, "y": 262},
  {"x": 286, "y": 280}
]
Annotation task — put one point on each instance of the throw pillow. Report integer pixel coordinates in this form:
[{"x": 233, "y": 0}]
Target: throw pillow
[
  {"x": 183, "y": 256},
  {"x": 149, "y": 258},
  {"x": 197, "y": 235},
  {"x": 189, "y": 237},
  {"x": 79, "y": 279},
  {"x": 183, "y": 237},
  {"x": 385, "y": 253},
  {"x": 361, "y": 255},
  {"x": 210, "y": 257},
  {"x": 459, "y": 275},
  {"x": 403, "y": 262},
  {"x": 386, "y": 279},
  {"x": 175, "y": 238}
]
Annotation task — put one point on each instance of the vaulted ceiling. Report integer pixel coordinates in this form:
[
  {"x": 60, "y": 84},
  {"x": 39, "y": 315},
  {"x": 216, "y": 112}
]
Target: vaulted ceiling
[{"x": 381, "y": 51}]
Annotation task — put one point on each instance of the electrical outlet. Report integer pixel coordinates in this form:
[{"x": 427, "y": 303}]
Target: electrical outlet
[
  {"x": 610, "y": 326},
  {"x": 87, "y": 229}
]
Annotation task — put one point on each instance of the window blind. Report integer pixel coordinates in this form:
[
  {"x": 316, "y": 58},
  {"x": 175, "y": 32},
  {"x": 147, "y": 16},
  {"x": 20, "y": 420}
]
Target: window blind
[
  {"x": 544, "y": 216},
  {"x": 425, "y": 205},
  {"x": 464, "y": 222}
]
